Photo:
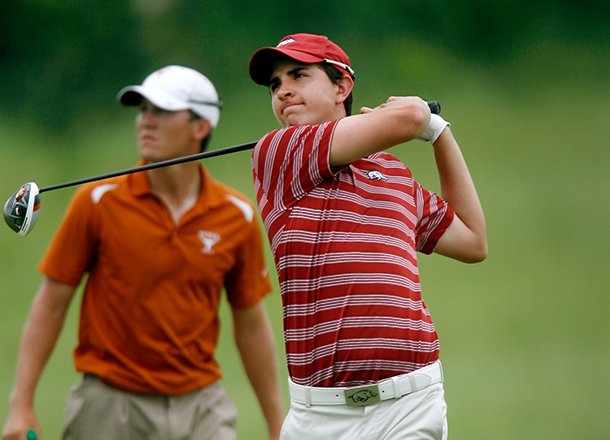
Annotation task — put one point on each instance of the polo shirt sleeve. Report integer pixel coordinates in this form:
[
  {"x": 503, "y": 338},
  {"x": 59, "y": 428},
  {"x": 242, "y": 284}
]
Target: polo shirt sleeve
[
  {"x": 248, "y": 282},
  {"x": 72, "y": 249},
  {"x": 434, "y": 215},
  {"x": 288, "y": 163}
]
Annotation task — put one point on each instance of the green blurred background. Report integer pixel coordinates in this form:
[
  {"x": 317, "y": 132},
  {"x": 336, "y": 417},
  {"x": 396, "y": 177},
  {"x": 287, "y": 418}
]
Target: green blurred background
[{"x": 525, "y": 335}]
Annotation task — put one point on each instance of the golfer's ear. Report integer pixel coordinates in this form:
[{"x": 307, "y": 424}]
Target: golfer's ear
[
  {"x": 344, "y": 88},
  {"x": 201, "y": 128}
]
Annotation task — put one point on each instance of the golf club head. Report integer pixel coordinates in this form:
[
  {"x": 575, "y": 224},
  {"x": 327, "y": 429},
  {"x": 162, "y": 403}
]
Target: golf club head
[{"x": 22, "y": 208}]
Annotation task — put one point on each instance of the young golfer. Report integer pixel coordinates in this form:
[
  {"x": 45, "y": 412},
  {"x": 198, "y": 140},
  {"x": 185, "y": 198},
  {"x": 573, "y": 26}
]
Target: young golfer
[
  {"x": 345, "y": 221},
  {"x": 157, "y": 249}
]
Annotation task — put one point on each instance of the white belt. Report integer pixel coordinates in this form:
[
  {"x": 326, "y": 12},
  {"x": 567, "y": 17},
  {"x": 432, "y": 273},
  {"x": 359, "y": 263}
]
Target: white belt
[{"x": 391, "y": 388}]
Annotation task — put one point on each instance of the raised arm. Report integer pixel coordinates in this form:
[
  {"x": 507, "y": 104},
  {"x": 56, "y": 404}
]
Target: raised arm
[
  {"x": 40, "y": 335},
  {"x": 401, "y": 119}
]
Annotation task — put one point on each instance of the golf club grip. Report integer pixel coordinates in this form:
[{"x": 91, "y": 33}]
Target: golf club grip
[{"x": 435, "y": 107}]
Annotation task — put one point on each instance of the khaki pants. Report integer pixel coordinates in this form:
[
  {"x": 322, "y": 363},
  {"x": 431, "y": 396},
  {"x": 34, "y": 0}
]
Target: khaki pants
[{"x": 95, "y": 411}]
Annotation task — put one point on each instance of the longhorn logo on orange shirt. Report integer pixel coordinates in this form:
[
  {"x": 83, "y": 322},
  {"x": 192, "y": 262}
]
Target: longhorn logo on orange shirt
[{"x": 208, "y": 239}]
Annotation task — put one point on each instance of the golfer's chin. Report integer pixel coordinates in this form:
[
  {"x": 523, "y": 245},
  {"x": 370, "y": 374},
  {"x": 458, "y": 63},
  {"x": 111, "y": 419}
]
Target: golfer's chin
[
  {"x": 294, "y": 120},
  {"x": 150, "y": 155}
]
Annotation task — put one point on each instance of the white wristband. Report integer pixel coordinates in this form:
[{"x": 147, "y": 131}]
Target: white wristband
[{"x": 434, "y": 129}]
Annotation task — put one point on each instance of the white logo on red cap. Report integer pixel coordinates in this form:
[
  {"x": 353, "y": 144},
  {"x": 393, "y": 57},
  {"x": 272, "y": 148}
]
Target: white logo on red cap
[{"x": 286, "y": 41}]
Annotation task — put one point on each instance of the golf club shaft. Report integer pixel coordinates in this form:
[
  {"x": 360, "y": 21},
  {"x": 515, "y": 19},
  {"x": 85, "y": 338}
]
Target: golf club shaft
[
  {"x": 150, "y": 166},
  {"x": 435, "y": 107}
]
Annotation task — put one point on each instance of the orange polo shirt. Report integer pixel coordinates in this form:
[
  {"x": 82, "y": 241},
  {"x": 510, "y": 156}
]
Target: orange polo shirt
[{"x": 148, "y": 319}]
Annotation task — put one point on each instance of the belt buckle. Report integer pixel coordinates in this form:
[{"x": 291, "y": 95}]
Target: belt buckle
[{"x": 362, "y": 396}]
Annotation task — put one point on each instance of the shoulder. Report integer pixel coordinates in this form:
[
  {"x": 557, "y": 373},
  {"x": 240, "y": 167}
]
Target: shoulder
[
  {"x": 94, "y": 192},
  {"x": 389, "y": 161},
  {"x": 230, "y": 198},
  {"x": 296, "y": 136}
]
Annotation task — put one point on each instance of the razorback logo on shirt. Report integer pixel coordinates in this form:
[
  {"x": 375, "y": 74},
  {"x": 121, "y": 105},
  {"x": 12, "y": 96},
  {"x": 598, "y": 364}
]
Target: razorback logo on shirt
[{"x": 375, "y": 175}]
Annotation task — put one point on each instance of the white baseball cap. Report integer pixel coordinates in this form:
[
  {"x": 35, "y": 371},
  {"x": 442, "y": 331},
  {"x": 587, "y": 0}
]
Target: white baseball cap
[{"x": 176, "y": 88}]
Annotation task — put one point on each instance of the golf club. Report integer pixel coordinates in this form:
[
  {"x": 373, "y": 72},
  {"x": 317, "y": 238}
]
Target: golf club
[{"x": 22, "y": 208}]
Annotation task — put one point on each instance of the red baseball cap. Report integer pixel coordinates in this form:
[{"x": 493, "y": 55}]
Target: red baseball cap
[{"x": 306, "y": 48}]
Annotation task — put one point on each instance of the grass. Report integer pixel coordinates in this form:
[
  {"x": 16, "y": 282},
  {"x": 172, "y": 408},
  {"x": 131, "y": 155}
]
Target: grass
[{"x": 524, "y": 335}]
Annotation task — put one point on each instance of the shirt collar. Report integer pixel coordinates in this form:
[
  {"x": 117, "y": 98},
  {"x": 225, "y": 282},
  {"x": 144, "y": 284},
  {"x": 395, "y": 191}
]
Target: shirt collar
[{"x": 209, "y": 194}]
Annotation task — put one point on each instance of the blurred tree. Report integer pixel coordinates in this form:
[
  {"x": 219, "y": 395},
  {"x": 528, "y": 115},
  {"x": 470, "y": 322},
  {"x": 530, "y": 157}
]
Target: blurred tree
[{"x": 62, "y": 58}]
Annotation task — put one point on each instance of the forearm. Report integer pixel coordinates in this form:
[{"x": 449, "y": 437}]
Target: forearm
[
  {"x": 257, "y": 350},
  {"x": 458, "y": 189},
  {"x": 457, "y": 186},
  {"x": 40, "y": 335}
]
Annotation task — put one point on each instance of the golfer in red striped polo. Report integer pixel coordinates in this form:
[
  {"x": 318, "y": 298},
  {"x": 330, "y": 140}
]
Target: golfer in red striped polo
[{"x": 345, "y": 221}]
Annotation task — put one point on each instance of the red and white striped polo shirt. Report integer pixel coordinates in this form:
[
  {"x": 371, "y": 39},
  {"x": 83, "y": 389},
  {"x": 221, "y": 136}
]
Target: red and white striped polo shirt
[{"x": 344, "y": 242}]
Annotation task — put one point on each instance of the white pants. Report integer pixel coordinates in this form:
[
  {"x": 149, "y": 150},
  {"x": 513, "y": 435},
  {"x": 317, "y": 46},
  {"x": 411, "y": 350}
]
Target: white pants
[{"x": 421, "y": 415}]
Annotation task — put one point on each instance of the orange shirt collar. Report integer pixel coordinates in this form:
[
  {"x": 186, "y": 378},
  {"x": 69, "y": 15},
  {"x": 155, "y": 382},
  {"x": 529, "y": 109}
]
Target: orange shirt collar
[{"x": 209, "y": 194}]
